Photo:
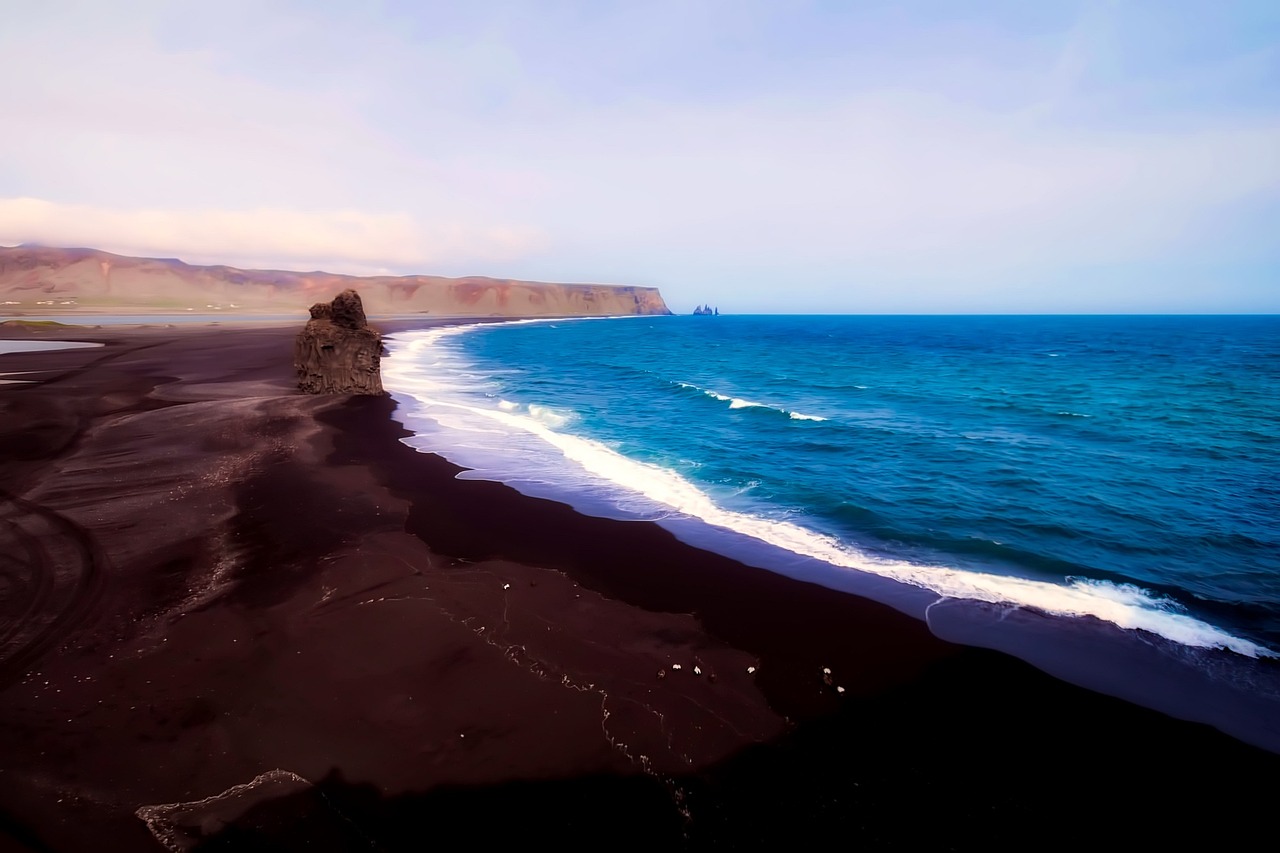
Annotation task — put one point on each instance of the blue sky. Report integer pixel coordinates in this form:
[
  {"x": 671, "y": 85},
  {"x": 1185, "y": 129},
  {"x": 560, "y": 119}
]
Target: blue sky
[{"x": 802, "y": 156}]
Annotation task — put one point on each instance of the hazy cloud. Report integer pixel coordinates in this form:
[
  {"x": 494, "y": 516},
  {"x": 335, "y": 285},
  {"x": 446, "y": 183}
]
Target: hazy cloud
[
  {"x": 871, "y": 156},
  {"x": 341, "y": 241}
]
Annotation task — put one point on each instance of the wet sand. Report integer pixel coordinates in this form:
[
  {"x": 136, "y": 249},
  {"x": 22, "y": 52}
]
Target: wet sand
[{"x": 210, "y": 584}]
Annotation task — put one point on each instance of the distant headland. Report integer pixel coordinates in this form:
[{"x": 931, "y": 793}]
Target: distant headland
[{"x": 47, "y": 280}]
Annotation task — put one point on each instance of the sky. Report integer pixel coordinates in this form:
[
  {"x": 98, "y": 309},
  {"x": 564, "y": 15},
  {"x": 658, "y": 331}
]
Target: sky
[{"x": 854, "y": 157}]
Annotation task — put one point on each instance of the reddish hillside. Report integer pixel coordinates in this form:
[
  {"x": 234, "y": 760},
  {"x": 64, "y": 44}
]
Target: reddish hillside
[{"x": 45, "y": 280}]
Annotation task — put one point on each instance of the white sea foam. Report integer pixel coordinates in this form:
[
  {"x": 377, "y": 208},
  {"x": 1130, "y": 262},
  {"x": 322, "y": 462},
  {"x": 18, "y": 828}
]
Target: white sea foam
[
  {"x": 740, "y": 403},
  {"x": 654, "y": 491},
  {"x": 549, "y": 416}
]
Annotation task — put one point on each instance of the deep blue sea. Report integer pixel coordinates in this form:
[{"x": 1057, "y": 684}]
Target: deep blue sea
[{"x": 1117, "y": 475}]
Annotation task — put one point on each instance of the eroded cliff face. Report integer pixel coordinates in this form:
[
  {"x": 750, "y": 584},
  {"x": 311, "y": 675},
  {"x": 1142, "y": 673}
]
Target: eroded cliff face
[
  {"x": 337, "y": 352},
  {"x": 38, "y": 279}
]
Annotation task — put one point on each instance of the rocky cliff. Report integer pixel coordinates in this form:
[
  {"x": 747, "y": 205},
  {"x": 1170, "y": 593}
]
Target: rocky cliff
[{"x": 45, "y": 280}]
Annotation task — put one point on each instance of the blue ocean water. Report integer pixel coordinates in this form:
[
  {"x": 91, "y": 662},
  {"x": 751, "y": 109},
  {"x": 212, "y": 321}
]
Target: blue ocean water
[{"x": 1120, "y": 470}]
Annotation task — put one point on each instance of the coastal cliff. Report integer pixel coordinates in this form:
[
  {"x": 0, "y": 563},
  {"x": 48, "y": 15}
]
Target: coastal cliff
[{"x": 40, "y": 279}]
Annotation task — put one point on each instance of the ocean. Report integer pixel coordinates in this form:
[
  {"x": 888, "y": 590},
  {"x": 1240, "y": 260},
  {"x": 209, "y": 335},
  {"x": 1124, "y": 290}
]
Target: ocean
[{"x": 1097, "y": 495}]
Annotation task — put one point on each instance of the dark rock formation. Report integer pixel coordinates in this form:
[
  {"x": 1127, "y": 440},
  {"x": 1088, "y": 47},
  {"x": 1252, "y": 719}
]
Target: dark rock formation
[
  {"x": 338, "y": 352},
  {"x": 706, "y": 310}
]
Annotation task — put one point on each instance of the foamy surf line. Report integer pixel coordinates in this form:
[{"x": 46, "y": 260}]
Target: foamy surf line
[
  {"x": 740, "y": 403},
  {"x": 414, "y": 368}
]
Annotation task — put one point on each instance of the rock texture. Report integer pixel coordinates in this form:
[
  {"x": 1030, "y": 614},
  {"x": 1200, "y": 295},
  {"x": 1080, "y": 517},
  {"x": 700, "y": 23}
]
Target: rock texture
[
  {"x": 338, "y": 352},
  {"x": 46, "y": 280}
]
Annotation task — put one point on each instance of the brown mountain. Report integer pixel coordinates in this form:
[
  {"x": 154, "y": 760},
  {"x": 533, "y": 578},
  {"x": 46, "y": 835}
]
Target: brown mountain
[{"x": 46, "y": 280}]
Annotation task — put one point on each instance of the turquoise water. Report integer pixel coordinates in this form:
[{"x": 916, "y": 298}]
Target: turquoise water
[
  {"x": 41, "y": 346},
  {"x": 1115, "y": 470}
]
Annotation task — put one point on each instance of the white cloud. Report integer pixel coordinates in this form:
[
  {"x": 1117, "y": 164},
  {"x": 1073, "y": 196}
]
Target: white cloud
[
  {"x": 900, "y": 183},
  {"x": 736, "y": 145},
  {"x": 341, "y": 241}
]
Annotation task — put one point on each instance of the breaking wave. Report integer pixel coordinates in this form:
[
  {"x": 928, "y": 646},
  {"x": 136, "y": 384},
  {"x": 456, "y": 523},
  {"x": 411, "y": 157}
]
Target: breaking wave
[{"x": 740, "y": 403}]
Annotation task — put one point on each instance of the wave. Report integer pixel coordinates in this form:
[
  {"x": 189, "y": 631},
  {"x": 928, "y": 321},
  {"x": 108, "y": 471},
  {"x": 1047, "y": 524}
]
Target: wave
[
  {"x": 643, "y": 487},
  {"x": 549, "y": 416},
  {"x": 740, "y": 403}
]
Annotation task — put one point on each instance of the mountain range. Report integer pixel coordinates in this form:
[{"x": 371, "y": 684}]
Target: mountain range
[{"x": 48, "y": 280}]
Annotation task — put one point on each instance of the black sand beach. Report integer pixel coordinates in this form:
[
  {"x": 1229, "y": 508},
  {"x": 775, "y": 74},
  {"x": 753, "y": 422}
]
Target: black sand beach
[{"x": 207, "y": 579}]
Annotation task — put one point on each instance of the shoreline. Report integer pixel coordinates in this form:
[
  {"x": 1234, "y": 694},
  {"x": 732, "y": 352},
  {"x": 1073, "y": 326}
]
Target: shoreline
[
  {"x": 265, "y": 581},
  {"x": 1170, "y": 665}
]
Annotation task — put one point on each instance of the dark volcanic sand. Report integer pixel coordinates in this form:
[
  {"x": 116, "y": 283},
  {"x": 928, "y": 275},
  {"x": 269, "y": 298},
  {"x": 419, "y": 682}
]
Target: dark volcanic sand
[{"x": 205, "y": 578}]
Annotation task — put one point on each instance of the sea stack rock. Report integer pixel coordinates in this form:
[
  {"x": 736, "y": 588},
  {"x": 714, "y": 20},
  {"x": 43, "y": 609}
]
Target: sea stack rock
[{"x": 338, "y": 352}]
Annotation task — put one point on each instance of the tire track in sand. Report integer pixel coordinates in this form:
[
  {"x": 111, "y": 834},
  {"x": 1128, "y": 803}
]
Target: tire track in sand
[{"x": 51, "y": 578}]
